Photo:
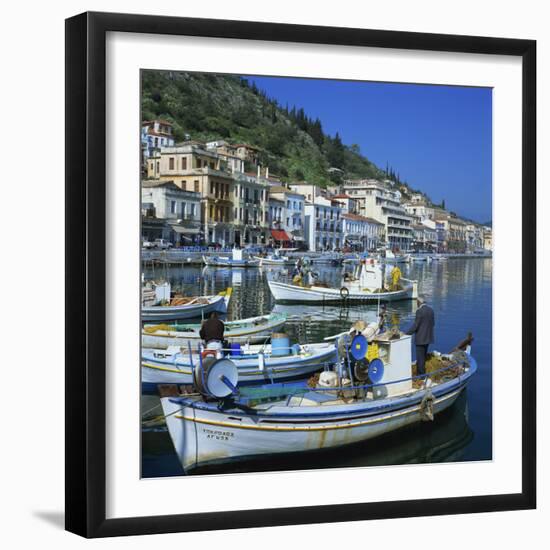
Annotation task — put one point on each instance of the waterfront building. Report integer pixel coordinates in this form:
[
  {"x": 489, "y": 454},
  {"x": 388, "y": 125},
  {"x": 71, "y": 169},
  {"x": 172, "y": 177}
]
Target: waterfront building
[
  {"x": 287, "y": 214},
  {"x": 323, "y": 228},
  {"x": 487, "y": 238},
  {"x": 193, "y": 168},
  {"x": 154, "y": 135},
  {"x": 425, "y": 236},
  {"x": 474, "y": 237},
  {"x": 457, "y": 238},
  {"x": 250, "y": 209},
  {"x": 170, "y": 213},
  {"x": 360, "y": 233},
  {"x": 381, "y": 202}
]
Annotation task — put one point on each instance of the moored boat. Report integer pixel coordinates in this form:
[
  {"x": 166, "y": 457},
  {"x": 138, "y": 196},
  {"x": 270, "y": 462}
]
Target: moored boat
[
  {"x": 251, "y": 330},
  {"x": 274, "y": 259},
  {"x": 332, "y": 411},
  {"x": 237, "y": 260},
  {"x": 158, "y": 304},
  {"x": 255, "y": 364},
  {"x": 366, "y": 283},
  {"x": 390, "y": 257}
]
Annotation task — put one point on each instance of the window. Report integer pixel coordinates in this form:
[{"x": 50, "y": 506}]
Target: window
[
  {"x": 211, "y": 187},
  {"x": 193, "y": 210},
  {"x": 171, "y": 163},
  {"x": 172, "y": 207},
  {"x": 158, "y": 168},
  {"x": 183, "y": 208},
  {"x": 211, "y": 211},
  {"x": 196, "y": 186},
  {"x": 183, "y": 163}
]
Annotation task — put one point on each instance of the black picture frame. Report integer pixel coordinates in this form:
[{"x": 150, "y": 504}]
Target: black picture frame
[{"x": 86, "y": 273}]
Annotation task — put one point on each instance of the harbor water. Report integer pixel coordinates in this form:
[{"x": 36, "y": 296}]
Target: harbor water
[{"x": 460, "y": 292}]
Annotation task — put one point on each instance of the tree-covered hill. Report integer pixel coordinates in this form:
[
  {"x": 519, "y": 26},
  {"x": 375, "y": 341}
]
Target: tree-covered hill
[{"x": 210, "y": 106}]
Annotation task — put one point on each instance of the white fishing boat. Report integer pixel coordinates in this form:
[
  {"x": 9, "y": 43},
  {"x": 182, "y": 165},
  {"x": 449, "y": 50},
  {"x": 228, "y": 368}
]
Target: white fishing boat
[
  {"x": 229, "y": 423},
  {"x": 367, "y": 283},
  {"x": 252, "y": 330},
  {"x": 420, "y": 257},
  {"x": 390, "y": 257},
  {"x": 255, "y": 364},
  {"x": 237, "y": 260},
  {"x": 274, "y": 259},
  {"x": 158, "y": 304}
]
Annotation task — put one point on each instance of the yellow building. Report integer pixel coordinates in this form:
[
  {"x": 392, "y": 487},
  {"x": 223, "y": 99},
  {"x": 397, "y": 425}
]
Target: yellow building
[{"x": 193, "y": 168}]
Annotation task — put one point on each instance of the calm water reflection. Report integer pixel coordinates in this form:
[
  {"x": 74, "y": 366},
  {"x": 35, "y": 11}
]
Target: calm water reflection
[{"x": 460, "y": 291}]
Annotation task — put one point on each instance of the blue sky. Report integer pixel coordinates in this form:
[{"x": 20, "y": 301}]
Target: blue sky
[{"x": 438, "y": 138}]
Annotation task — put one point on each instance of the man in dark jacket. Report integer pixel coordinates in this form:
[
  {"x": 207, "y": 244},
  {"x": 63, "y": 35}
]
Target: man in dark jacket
[
  {"x": 212, "y": 330},
  {"x": 423, "y": 330}
]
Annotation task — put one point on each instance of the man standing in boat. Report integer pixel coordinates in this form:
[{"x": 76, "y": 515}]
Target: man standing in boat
[
  {"x": 423, "y": 330},
  {"x": 212, "y": 332}
]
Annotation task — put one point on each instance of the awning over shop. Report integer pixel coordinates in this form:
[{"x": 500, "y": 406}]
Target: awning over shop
[
  {"x": 280, "y": 235},
  {"x": 185, "y": 230}
]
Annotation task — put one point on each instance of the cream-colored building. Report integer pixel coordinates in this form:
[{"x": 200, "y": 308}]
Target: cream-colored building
[
  {"x": 250, "y": 209},
  {"x": 193, "y": 168},
  {"x": 381, "y": 202}
]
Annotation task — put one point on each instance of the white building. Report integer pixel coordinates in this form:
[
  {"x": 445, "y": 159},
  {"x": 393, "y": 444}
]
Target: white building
[
  {"x": 250, "y": 209},
  {"x": 323, "y": 224},
  {"x": 154, "y": 135},
  {"x": 361, "y": 233},
  {"x": 180, "y": 211},
  {"x": 383, "y": 203},
  {"x": 287, "y": 212},
  {"x": 419, "y": 209}
]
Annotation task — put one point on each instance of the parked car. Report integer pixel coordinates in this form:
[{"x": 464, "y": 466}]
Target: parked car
[
  {"x": 162, "y": 244},
  {"x": 147, "y": 244}
]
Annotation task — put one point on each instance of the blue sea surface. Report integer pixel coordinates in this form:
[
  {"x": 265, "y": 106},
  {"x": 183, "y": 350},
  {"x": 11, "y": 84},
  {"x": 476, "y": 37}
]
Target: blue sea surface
[{"x": 460, "y": 292}]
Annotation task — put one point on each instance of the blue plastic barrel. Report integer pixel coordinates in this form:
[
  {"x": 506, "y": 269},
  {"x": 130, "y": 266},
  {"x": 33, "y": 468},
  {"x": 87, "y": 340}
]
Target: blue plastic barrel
[
  {"x": 280, "y": 344},
  {"x": 235, "y": 349}
]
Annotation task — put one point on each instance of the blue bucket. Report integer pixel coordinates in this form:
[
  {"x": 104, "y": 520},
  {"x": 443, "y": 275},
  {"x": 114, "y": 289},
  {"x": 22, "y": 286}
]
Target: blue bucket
[
  {"x": 280, "y": 345},
  {"x": 235, "y": 350}
]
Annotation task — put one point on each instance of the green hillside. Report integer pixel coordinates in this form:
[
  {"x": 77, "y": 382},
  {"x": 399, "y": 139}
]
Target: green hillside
[{"x": 211, "y": 106}]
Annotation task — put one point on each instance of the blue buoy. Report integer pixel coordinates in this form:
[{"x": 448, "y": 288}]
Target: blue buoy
[
  {"x": 359, "y": 346},
  {"x": 376, "y": 371}
]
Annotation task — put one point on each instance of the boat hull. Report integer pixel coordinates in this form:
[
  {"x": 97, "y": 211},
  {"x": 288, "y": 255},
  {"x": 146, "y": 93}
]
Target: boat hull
[
  {"x": 285, "y": 292},
  {"x": 229, "y": 262},
  {"x": 243, "y": 335},
  {"x": 276, "y": 368},
  {"x": 189, "y": 311},
  {"x": 203, "y": 437}
]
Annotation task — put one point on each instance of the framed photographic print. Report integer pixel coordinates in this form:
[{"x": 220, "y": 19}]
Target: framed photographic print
[{"x": 300, "y": 273}]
